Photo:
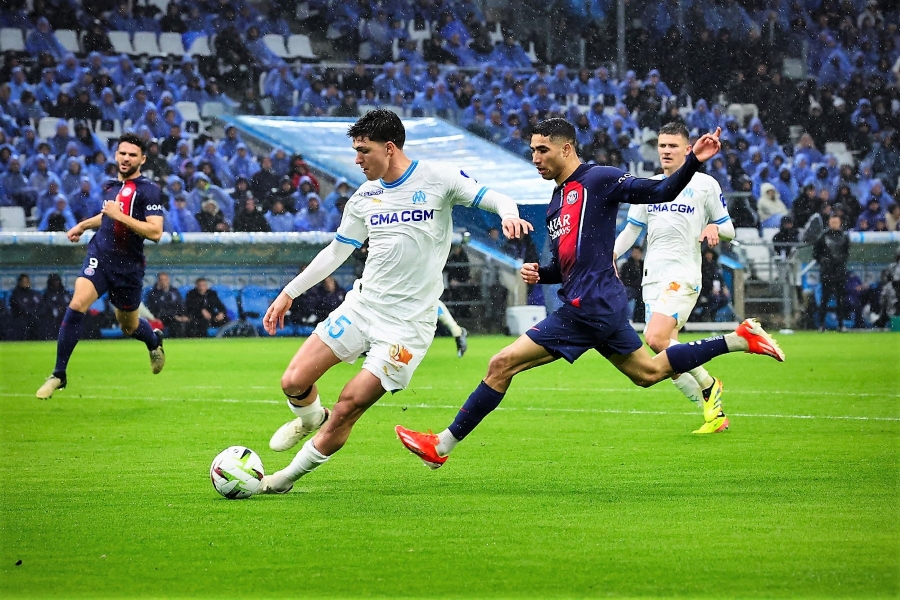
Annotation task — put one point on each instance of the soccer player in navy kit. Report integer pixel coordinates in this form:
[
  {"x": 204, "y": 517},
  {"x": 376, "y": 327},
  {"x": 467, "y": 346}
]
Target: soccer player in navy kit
[
  {"x": 115, "y": 260},
  {"x": 581, "y": 220}
]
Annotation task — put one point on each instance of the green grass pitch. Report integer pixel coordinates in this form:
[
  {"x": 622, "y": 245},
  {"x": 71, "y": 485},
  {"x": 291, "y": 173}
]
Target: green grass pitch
[{"x": 580, "y": 485}]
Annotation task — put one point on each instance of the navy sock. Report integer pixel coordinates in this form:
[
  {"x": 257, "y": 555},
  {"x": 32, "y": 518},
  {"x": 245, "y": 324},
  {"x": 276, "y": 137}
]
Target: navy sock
[
  {"x": 481, "y": 402},
  {"x": 684, "y": 357},
  {"x": 69, "y": 334},
  {"x": 144, "y": 332}
]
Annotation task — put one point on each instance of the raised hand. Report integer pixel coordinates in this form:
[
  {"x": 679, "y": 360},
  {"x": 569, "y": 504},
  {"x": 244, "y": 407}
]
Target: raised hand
[
  {"x": 274, "y": 318},
  {"x": 708, "y": 145}
]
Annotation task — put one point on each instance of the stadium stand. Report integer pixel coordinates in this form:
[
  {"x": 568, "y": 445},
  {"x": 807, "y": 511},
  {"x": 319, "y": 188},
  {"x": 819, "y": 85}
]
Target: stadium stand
[{"x": 785, "y": 70}]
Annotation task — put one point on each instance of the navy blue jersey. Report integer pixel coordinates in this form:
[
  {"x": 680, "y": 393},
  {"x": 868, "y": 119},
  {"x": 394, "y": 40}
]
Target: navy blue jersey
[
  {"x": 581, "y": 220},
  {"x": 116, "y": 243}
]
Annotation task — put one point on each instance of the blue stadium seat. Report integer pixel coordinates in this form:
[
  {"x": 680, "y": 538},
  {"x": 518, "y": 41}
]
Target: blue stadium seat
[
  {"x": 229, "y": 298},
  {"x": 255, "y": 300}
]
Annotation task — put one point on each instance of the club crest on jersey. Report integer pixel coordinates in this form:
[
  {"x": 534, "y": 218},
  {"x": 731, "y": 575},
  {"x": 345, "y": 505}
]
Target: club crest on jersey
[
  {"x": 572, "y": 197},
  {"x": 418, "y": 197},
  {"x": 126, "y": 191},
  {"x": 688, "y": 193},
  {"x": 400, "y": 354}
]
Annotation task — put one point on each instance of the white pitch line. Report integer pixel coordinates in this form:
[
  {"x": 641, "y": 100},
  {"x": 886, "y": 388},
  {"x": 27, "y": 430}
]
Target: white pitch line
[
  {"x": 610, "y": 411},
  {"x": 729, "y": 391}
]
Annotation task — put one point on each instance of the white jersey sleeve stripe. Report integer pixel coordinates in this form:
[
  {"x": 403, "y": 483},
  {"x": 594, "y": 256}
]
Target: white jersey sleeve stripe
[
  {"x": 722, "y": 220},
  {"x": 636, "y": 222},
  {"x": 479, "y": 196},
  {"x": 346, "y": 240}
]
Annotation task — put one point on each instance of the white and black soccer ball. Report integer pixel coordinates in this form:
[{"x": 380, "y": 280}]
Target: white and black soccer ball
[{"x": 236, "y": 472}]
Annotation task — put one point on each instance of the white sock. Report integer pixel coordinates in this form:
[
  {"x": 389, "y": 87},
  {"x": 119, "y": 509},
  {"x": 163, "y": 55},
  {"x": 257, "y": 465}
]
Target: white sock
[
  {"x": 311, "y": 414},
  {"x": 446, "y": 442},
  {"x": 736, "y": 343},
  {"x": 448, "y": 321},
  {"x": 307, "y": 460},
  {"x": 688, "y": 386},
  {"x": 702, "y": 376}
]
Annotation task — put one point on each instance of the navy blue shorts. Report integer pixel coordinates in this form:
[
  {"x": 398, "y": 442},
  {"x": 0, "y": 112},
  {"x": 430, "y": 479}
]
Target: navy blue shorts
[
  {"x": 125, "y": 286},
  {"x": 568, "y": 333}
]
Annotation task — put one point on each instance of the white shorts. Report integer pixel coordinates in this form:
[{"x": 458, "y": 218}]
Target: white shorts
[
  {"x": 673, "y": 299},
  {"x": 394, "y": 347}
]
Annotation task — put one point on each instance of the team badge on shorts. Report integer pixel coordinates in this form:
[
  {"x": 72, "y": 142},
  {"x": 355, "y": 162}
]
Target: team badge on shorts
[
  {"x": 400, "y": 354},
  {"x": 89, "y": 271},
  {"x": 674, "y": 286}
]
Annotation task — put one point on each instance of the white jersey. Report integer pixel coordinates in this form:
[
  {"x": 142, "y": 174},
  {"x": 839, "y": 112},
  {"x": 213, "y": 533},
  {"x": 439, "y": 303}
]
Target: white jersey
[
  {"x": 409, "y": 226},
  {"x": 674, "y": 228}
]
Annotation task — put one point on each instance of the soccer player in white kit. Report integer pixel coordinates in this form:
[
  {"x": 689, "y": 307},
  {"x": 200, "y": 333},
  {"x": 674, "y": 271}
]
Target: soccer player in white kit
[
  {"x": 404, "y": 209},
  {"x": 671, "y": 282}
]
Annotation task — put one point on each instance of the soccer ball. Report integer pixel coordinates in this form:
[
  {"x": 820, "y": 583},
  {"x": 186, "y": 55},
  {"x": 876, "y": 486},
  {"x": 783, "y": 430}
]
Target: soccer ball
[{"x": 236, "y": 472}]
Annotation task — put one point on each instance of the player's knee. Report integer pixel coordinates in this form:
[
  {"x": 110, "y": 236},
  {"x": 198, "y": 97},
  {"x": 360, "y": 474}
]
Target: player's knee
[
  {"x": 293, "y": 382},
  {"x": 641, "y": 380},
  {"x": 657, "y": 341},
  {"x": 501, "y": 366},
  {"x": 128, "y": 329}
]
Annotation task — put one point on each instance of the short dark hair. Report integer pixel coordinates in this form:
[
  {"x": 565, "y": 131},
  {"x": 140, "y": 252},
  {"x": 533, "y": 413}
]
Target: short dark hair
[
  {"x": 379, "y": 125},
  {"x": 133, "y": 138},
  {"x": 555, "y": 129},
  {"x": 675, "y": 128}
]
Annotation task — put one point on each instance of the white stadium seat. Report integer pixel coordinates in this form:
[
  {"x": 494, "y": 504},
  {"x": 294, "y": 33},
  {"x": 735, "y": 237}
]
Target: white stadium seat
[
  {"x": 12, "y": 218},
  {"x": 190, "y": 113},
  {"x": 162, "y": 5},
  {"x": 418, "y": 34},
  {"x": 531, "y": 53},
  {"x": 170, "y": 44},
  {"x": 200, "y": 47},
  {"x": 121, "y": 42},
  {"x": 12, "y": 38},
  {"x": 212, "y": 109},
  {"x": 145, "y": 43},
  {"x": 299, "y": 46},
  {"x": 47, "y": 127},
  {"x": 275, "y": 43},
  {"x": 496, "y": 35},
  {"x": 68, "y": 39}
]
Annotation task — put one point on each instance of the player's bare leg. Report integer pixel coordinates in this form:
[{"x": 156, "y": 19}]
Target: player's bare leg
[
  {"x": 83, "y": 296},
  {"x": 697, "y": 384},
  {"x": 645, "y": 370},
  {"x": 521, "y": 355},
  {"x": 140, "y": 329},
  {"x": 298, "y": 383},
  {"x": 357, "y": 396}
]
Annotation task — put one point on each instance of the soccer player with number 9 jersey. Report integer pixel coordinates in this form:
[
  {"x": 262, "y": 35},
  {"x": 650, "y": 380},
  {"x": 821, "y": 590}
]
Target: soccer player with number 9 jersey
[{"x": 115, "y": 261}]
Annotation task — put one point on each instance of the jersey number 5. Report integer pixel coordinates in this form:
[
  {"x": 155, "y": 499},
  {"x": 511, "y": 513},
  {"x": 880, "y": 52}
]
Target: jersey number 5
[{"x": 336, "y": 329}]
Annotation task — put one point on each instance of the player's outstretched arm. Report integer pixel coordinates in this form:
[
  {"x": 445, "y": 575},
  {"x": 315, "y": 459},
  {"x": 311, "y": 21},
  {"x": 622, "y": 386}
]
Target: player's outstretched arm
[
  {"x": 515, "y": 227},
  {"x": 324, "y": 264},
  {"x": 76, "y": 232}
]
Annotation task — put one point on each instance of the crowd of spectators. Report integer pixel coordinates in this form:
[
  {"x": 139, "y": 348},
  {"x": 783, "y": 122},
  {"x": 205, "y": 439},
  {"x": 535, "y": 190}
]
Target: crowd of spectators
[{"x": 496, "y": 91}]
